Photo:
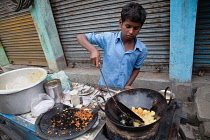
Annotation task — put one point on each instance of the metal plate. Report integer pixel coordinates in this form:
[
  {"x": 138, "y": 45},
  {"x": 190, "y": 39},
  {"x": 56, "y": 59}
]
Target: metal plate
[{"x": 45, "y": 121}]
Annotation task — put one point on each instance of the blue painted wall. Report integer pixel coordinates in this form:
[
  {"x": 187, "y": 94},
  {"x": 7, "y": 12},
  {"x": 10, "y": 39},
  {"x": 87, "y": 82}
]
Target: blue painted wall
[{"x": 182, "y": 34}]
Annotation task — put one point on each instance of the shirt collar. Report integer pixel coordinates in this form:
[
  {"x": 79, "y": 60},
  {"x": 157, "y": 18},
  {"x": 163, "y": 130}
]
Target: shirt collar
[
  {"x": 137, "y": 44},
  {"x": 118, "y": 36}
]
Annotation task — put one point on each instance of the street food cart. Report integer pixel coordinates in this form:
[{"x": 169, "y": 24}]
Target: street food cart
[{"x": 64, "y": 120}]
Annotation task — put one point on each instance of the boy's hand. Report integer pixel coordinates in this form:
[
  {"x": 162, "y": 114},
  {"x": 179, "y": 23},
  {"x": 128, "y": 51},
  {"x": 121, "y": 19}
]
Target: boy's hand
[
  {"x": 129, "y": 87},
  {"x": 94, "y": 53},
  {"x": 95, "y": 58}
]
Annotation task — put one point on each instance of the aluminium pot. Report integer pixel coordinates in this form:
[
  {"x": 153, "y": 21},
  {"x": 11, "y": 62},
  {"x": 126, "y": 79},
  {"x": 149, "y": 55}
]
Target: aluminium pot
[
  {"x": 18, "y": 88},
  {"x": 140, "y": 97},
  {"x": 54, "y": 89}
]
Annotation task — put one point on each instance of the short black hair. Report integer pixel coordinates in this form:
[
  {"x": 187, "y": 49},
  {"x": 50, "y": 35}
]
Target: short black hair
[{"x": 134, "y": 12}]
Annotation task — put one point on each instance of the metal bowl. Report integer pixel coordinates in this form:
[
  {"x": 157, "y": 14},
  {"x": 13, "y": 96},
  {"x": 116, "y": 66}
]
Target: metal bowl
[{"x": 18, "y": 88}]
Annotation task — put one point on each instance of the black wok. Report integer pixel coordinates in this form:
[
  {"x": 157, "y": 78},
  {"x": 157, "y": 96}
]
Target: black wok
[{"x": 144, "y": 98}]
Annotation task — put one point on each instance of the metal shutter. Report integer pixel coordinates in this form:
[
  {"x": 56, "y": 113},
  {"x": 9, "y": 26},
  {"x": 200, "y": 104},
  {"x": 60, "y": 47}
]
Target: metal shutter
[
  {"x": 74, "y": 17},
  {"x": 20, "y": 39},
  {"x": 202, "y": 39}
]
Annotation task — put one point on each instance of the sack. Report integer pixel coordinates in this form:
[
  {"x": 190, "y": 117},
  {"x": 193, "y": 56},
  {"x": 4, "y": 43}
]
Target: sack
[
  {"x": 41, "y": 104},
  {"x": 65, "y": 80}
]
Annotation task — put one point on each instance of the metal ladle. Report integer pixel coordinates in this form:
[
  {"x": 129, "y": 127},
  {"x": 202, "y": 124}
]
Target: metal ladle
[{"x": 127, "y": 113}]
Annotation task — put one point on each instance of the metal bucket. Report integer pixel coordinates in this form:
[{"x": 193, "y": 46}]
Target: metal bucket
[
  {"x": 54, "y": 89},
  {"x": 19, "y": 87}
]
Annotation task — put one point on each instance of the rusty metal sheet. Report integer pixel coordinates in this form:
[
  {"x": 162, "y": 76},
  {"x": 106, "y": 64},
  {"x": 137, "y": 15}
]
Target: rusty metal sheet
[{"x": 20, "y": 38}]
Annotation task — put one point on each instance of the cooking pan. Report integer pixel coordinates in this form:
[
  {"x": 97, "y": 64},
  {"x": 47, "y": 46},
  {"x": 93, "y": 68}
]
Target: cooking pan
[
  {"x": 140, "y": 97},
  {"x": 43, "y": 124}
]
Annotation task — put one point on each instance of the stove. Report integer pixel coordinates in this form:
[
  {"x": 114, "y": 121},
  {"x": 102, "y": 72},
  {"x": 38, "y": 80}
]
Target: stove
[
  {"x": 147, "y": 134},
  {"x": 166, "y": 129}
]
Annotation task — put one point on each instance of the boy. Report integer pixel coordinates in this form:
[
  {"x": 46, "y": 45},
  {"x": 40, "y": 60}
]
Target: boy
[{"x": 124, "y": 54}]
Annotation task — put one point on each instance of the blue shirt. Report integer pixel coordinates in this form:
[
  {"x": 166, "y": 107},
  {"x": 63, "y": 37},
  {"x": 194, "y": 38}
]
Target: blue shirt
[{"x": 117, "y": 63}]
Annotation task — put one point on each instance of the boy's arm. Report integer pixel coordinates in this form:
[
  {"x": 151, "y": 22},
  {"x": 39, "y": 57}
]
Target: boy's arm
[
  {"x": 94, "y": 53},
  {"x": 132, "y": 78}
]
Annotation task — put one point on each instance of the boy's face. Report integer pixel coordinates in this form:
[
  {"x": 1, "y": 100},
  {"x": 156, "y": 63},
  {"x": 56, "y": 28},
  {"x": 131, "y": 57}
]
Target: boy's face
[{"x": 129, "y": 29}]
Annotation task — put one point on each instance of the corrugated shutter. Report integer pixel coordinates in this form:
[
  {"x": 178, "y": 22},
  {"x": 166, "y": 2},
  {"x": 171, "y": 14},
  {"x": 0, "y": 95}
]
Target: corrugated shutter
[
  {"x": 20, "y": 39},
  {"x": 74, "y": 17},
  {"x": 202, "y": 40}
]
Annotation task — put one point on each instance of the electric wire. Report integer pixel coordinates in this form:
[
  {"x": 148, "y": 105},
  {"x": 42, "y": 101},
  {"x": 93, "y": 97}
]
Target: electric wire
[{"x": 16, "y": 5}]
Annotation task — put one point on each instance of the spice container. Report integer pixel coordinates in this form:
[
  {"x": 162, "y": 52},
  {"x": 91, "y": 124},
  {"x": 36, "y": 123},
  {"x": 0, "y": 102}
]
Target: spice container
[
  {"x": 54, "y": 89},
  {"x": 75, "y": 99}
]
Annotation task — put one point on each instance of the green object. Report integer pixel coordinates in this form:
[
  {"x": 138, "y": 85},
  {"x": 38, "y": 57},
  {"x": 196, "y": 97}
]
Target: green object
[
  {"x": 3, "y": 57},
  {"x": 65, "y": 80}
]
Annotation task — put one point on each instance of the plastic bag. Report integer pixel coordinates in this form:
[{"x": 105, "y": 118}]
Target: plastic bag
[
  {"x": 65, "y": 80},
  {"x": 41, "y": 104}
]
